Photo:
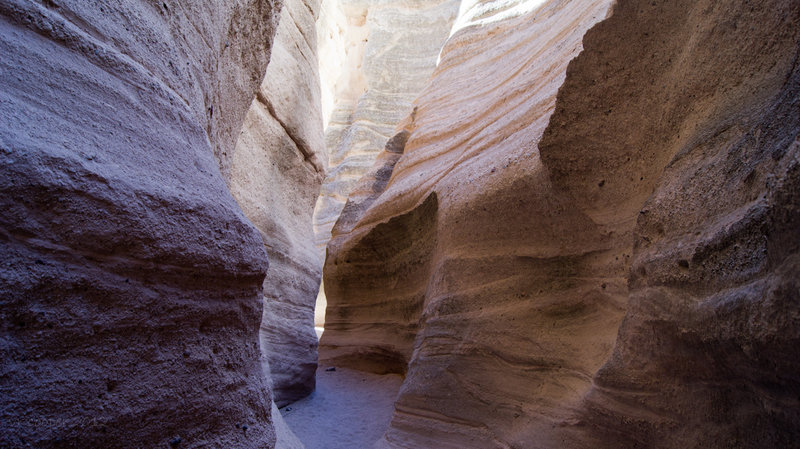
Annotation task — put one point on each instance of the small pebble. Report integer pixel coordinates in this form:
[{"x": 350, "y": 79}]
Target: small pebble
[{"x": 175, "y": 441}]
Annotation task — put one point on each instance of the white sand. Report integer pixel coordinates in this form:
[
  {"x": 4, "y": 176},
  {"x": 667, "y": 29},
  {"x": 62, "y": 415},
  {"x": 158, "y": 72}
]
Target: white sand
[{"x": 349, "y": 410}]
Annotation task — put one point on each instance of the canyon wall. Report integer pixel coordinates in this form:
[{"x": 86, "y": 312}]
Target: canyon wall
[
  {"x": 131, "y": 282},
  {"x": 690, "y": 113},
  {"x": 376, "y": 57},
  {"x": 276, "y": 171},
  {"x": 532, "y": 200},
  {"x": 458, "y": 262}
]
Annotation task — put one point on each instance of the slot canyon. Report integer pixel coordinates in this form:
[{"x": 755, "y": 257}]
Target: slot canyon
[{"x": 400, "y": 224}]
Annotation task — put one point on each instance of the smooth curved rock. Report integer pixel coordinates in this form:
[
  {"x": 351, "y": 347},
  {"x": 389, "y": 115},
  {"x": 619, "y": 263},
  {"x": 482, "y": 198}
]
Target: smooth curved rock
[
  {"x": 669, "y": 168},
  {"x": 131, "y": 281},
  {"x": 276, "y": 172},
  {"x": 376, "y": 57},
  {"x": 505, "y": 299}
]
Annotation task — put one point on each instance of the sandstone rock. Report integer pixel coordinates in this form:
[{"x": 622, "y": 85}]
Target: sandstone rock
[
  {"x": 470, "y": 272},
  {"x": 275, "y": 175},
  {"x": 375, "y": 58},
  {"x": 493, "y": 266},
  {"x": 707, "y": 355},
  {"x": 131, "y": 282},
  {"x": 389, "y": 49}
]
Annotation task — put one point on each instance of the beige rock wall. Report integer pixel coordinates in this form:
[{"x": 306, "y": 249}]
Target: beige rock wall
[
  {"x": 707, "y": 355},
  {"x": 275, "y": 175},
  {"x": 375, "y": 58},
  {"x": 492, "y": 260},
  {"x": 470, "y": 272},
  {"x": 130, "y": 281}
]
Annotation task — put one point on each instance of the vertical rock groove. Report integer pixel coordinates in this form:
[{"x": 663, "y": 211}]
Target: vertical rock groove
[{"x": 275, "y": 176}]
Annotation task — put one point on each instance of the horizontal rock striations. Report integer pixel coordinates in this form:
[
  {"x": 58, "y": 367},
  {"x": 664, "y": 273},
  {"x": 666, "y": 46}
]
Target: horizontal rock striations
[
  {"x": 535, "y": 204},
  {"x": 389, "y": 49},
  {"x": 131, "y": 282},
  {"x": 276, "y": 172},
  {"x": 470, "y": 272},
  {"x": 375, "y": 58}
]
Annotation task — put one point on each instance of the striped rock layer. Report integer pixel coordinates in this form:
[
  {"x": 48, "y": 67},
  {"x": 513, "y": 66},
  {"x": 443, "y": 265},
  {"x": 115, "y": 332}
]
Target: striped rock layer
[{"x": 584, "y": 235}]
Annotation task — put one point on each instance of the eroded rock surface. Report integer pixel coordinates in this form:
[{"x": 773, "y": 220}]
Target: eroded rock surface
[
  {"x": 277, "y": 169},
  {"x": 707, "y": 355},
  {"x": 131, "y": 282},
  {"x": 494, "y": 264},
  {"x": 376, "y": 56},
  {"x": 469, "y": 271}
]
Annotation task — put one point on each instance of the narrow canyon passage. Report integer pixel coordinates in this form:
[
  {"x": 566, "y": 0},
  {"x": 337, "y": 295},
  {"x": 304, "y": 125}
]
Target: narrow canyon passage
[
  {"x": 540, "y": 224},
  {"x": 348, "y": 409}
]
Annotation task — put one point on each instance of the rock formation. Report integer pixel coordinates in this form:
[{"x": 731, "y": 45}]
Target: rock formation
[
  {"x": 532, "y": 199},
  {"x": 582, "y": 233},
  {"x": 276, "y": 172},
  {"x": 376, "y": 57},
  {"x": 707, "y": 355},
  {"x": 131, "y": 282},
  {"x": 469, "y": 270}
]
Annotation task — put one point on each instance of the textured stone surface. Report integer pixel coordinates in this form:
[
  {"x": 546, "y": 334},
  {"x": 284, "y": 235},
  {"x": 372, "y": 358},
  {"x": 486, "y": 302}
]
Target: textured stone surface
[
  {"x": 389, "y": 49},
  {"x": 375, "y": 58},
  {"x": 469, "y": 271},
  {"x": 276, "y": 172},
  {"x": 707, "y": 355},
  {"x": 130, "y": 282},
  {"x": 492, "y": 261}
]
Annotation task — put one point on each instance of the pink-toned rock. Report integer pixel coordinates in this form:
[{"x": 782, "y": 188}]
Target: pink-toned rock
[
  {"x": 535, "y": 204},
  {"x": 459, "y": 264},
  {"x": 376, "y": 57}
]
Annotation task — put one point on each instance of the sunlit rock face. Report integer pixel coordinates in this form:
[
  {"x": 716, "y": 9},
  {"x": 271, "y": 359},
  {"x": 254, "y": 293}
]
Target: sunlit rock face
[
  {"x": 375, "y": 58},
  {"x": 458, "y": 263},
  {"x": 277, "y": 170},
  {"x": 130, "y": 282},
  {"x": 532, "y": 200}
]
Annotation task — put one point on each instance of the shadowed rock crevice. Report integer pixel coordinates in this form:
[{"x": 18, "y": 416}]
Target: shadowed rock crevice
[
  {"x": 395, "y": 256},
  {"x": 275, "y": 176}
]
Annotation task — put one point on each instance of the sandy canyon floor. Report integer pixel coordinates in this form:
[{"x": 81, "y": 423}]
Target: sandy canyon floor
[{"x": 349, "y": 409}]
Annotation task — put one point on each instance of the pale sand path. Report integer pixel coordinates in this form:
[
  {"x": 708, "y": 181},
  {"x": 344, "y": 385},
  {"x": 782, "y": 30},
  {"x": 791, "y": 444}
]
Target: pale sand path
[{"x": 348, "y": 410}]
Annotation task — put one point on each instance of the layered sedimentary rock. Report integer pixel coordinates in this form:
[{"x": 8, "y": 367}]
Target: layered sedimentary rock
[
  {"x": 131, "y": 282},
  {"x": 376, "y": 56},
  {"x": 467, "y": 269},
  {"x": 276, "y": 172},
  {"x": 492, "y": 260}
]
